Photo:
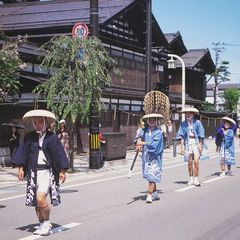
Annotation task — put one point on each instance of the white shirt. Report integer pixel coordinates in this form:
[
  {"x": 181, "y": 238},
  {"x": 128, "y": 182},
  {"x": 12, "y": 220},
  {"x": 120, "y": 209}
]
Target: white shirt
[{"x": 41, "y": 156}]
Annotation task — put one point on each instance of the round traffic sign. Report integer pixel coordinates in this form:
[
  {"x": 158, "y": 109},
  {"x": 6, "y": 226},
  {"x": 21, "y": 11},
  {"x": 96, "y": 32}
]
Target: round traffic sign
[{"x": 80, "y": 30}]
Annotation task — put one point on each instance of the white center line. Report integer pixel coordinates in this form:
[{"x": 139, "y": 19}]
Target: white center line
[
  {"x": 204, "y": 182},
  {"x": 95, "y": 181}
]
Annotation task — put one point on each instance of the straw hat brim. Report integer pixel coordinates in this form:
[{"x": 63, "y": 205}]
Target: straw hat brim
[
  {"x": 152, "y": 115},
  {"x": 190, "y": 109},
  {"x": 229, "y": 120},
  {"x": 39, "y": 113}
]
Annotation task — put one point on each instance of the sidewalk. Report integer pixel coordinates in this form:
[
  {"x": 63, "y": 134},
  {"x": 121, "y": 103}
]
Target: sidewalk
[{"x": 8, "y": 175}]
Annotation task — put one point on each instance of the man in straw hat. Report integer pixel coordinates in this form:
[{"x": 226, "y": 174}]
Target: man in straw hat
[
  {"x": 42, "y": 159},
  {"x": 225, "y": 145},
  {"x": 191, "y": 133},
  {"x": 150, "y": 140}
]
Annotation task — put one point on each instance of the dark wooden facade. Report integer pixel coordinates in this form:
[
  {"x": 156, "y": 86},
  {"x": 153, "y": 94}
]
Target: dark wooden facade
[{"x": 122, "y": 29}]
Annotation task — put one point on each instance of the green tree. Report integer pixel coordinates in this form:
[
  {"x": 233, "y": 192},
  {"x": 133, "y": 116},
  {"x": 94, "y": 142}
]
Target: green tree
[
  {"x": 80, "y": 69},
  {"x": 230, "y": 97},
  {"x": 10, "y": 65},
  {"x": 207, "y": 106},
  {"x": 220, "y": 75}
]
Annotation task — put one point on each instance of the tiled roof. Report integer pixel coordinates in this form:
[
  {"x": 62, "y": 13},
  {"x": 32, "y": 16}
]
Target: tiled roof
[
  {"x": 176, "y": 42},
  {"x": 198, "y": 58},
  {"x": 47, "y": 19},
  {"x": 55, "y": 13},
  {"x": 172, "y": 36}
]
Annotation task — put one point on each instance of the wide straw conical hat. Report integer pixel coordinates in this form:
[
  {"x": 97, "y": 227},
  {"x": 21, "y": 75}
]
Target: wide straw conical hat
[
  {"x": 157, "y": 102},
  {"x": 229, "y": 120},
  {"x": 190, "y": 109},
  {"x": 39, "y": 113},
  {"x": 152, "y": 115}
]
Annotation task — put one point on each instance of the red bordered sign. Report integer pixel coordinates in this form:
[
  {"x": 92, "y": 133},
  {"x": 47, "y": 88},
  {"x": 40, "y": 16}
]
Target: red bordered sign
[{"x": 80, "y": 30}]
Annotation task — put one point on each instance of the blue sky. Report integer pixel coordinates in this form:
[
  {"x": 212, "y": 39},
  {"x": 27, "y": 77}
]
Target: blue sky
[{"x": 203, "y": 22}]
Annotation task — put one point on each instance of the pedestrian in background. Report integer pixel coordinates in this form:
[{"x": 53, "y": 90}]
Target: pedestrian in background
[
  {"x": 141, "y": 125},
  {"x": 225, "y": 145},
  {"x": 192, "y": 134},
  {"x": 150, "y": 141},
  {"x": 164, "y": 133},
  {"x": 169, "y": 133},
  {"x": 64, "y": 136},
  {"x": 52, "y": 127},
  {"x": 41, "y": 158},
  {"x": 14, "y": 141},
  {"x": 102, "y": 143}
]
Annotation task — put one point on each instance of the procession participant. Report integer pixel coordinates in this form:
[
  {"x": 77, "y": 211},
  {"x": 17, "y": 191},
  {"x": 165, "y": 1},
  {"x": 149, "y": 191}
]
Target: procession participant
[
  {"x": 226, "y": 146},
  {"x": 150, "y": 140},
  {"x": 191, "y": 133},
  {"x": 41, "y": 158}
]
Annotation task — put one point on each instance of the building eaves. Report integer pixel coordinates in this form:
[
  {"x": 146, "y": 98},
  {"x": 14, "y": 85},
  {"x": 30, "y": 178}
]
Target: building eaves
[
  {"x": 53, "y": 18},
  {"x": 175, "y": 41},
  {"x": 177, "y": 97}
]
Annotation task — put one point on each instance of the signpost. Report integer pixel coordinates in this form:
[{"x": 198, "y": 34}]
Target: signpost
[{"x": 80, "y": 30}]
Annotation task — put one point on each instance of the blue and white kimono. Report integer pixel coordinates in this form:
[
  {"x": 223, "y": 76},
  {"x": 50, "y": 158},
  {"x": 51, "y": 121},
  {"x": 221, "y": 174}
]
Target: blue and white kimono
[
  {"x": 184, "y": 133},
  {"x": 27, "y": 157},
  {"x": 227, "y": 151},
  {"x": 152, "y": 154}
]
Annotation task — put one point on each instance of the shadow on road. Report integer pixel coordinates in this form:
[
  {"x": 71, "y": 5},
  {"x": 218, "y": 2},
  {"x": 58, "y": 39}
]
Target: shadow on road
[
  {"x": 143, "y": 197},
  {"x": 32, "y": 227},
  {"x": 181, "y": 182}
]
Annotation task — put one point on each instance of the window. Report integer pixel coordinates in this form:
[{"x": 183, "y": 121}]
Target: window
[
  {"x": 136, "y": 108},
  {"x": 124, "y": 107}
]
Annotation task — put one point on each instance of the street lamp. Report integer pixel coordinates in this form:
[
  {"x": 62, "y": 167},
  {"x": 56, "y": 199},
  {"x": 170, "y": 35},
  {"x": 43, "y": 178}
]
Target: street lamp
[{"x": 171, "y": 65}]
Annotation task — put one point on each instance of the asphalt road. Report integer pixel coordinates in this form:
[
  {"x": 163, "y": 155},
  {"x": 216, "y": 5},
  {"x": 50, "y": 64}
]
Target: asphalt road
[{"x": 109, "y": 206}]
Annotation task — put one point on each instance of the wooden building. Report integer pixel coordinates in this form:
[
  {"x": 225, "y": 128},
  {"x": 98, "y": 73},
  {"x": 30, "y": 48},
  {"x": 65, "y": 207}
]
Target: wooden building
[
  {"x": 122, "y": 29},
  {"x": 198, "y": 63}
]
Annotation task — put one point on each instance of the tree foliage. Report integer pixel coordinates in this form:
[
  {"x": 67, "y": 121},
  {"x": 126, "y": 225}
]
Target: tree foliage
[
  {"x": 221, "y": 74},
  {"x": 79, "y": 70},
  {"x": 9, "y": 66},
  {"x": 231, "y": 97},
  {"x": 207, "y": 106}
]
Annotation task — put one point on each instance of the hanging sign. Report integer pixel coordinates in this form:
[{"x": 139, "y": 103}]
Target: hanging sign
[{"x": 80, "y": 30}]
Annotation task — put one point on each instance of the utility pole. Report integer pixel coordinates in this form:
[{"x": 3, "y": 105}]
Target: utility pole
[
  {"x": 94, "y": 139},
  {"x": 148, "y": 69},
  {"x": 218, "y": 49},
  {"x": 94, "y": 18}
]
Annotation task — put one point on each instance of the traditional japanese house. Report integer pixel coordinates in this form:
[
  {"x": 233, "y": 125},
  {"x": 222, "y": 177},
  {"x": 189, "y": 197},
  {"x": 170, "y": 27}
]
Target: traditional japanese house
[{"x": 122, "y": 29}]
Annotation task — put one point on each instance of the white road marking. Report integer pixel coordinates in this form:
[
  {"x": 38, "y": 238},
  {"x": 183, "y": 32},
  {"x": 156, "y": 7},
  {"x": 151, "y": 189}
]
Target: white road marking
[
  {"x": 106, "y": 179},
  {"x": 117, "y": 177},
  {"x": 204, "y": 182},
  {"x": 54, "y": 230},
  {"x": 94, "y": 181},
  {"x": 185, "y": 188},
  {"x": 10, "y": 198},
  {"x": 214, "y": 179}
]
